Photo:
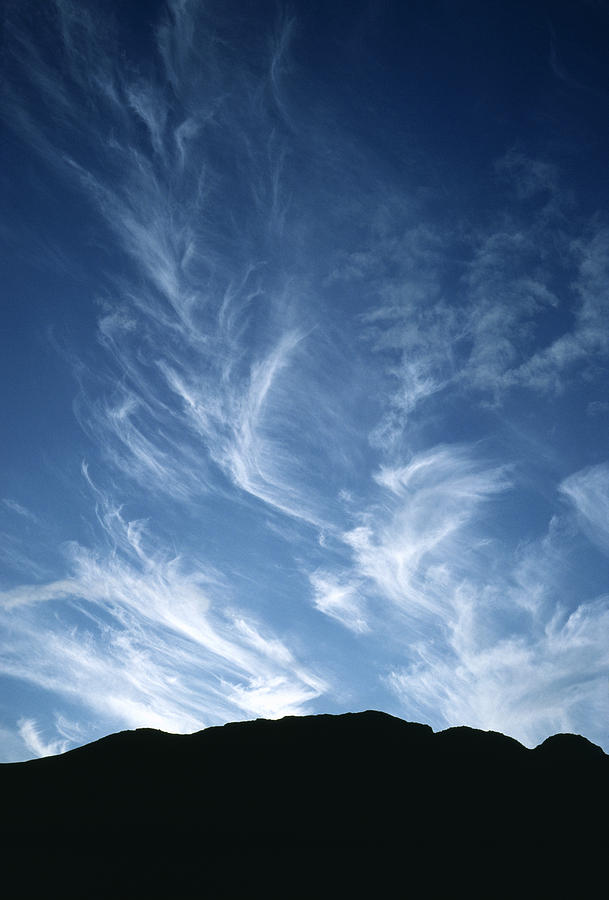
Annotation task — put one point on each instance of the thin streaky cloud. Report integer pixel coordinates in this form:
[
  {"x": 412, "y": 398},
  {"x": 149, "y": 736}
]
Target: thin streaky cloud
[
  {"x": 339, "y": 397},
  {"x": 421, "y": 524},
  {"x": 18, "y": 508},
  {"x": 339, "y": 600},
  {"x": 588, "y": 491},
  {"x": 35, "y": 743}
]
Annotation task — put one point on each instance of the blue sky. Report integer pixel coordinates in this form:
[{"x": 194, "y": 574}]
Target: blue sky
[{"x": 304, "y": 366}]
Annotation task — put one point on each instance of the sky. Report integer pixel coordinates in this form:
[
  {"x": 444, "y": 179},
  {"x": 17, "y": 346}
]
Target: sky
[{"x": 304, "y": 358}]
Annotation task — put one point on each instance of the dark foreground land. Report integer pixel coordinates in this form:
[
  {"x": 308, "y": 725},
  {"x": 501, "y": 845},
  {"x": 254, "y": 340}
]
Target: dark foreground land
[{"x": 359, "y": 805}]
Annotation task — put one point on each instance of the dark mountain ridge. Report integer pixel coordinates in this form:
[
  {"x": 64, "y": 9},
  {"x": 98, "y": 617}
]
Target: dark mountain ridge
[{"x": 362, "y": 804}]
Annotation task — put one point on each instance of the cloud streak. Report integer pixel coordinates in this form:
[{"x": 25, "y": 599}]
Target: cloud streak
[
  {"x": 421, "y": 527},
  {"x": 138, "y": 639},
  {"x": 588, "y": 491},
  {"x": 308, "y": 460},
  {"x": 30, "y": 735},
  {"x": 491, "y": 641},
  {"x": 185, "y": 331}
]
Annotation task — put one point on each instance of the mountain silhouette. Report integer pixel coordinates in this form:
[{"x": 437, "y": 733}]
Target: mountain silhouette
[{"x": 354, "y": 805}]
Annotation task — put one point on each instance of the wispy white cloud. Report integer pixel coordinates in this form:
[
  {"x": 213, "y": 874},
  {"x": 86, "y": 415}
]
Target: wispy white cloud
[
  {"x": 193, "y": 394},
  {"x": 185, "y": 403},
  {"x": 306, "y": 384},
  {"x": 139, "y": 640},
  {"x": 487, "y": 632},
  {"x": 18, "y": 508},
  {"x": 29, "y": 732},
  {"x": 340, "y": 600},
  {"x": 421, "y": 526},
  {"x": 529, "y": 685},
  {"x": 476, "y": 311},
  {"x": 511, "y": 652},
  {"x": 12, "y": 746},
  {"x": 588, "y": 490}
]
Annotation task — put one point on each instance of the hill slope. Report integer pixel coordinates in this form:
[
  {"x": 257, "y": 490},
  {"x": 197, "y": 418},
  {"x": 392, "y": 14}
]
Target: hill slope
[{"x": 361, "y": 804}]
